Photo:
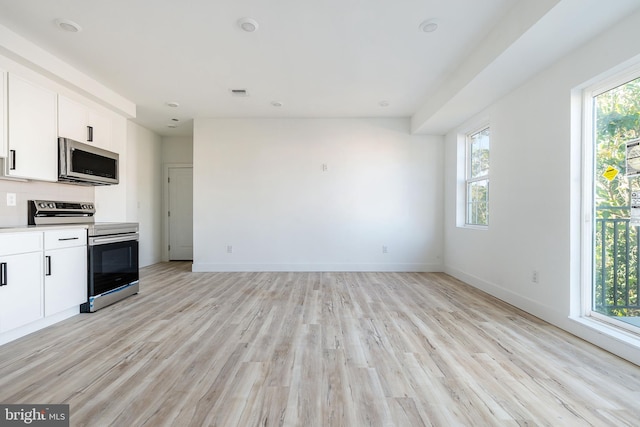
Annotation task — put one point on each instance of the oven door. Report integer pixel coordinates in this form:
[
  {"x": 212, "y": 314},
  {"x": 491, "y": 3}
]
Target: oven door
[{"x": 113, "y": 262}]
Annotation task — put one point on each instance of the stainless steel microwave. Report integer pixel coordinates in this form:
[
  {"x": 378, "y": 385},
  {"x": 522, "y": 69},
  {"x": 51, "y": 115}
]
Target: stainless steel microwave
[{"x": 80, "y": 163}]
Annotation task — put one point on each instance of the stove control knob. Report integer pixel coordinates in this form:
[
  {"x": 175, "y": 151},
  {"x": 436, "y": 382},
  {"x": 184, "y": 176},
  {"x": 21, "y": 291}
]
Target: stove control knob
[
  {"x": 42, "y": 204},
  {"x": 83, "y": 206},
  {"x": 51, "y": 205},
  {"x": 90, "y": 206}
]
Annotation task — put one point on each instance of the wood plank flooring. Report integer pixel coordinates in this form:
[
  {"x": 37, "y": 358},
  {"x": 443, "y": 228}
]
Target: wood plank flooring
[{"x": 316, "y": 349}]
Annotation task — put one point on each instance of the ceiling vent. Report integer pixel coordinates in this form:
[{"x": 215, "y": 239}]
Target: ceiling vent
[{"x": 239, "y": 92}]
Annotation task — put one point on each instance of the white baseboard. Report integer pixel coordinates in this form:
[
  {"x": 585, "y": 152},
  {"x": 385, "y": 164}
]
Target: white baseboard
[
  {"x": 409, "y": 268},
  {"x": 530, "y": 306},
  {"x": 620, "y": 343}
]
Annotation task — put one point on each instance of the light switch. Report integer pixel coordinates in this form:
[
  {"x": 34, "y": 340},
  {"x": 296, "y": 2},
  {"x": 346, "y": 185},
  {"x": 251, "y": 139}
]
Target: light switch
[{"x": 11, "y": 199}]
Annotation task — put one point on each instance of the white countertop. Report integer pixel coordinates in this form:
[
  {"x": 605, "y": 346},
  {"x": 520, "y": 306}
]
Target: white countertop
[{"x": 22, "y": 228}]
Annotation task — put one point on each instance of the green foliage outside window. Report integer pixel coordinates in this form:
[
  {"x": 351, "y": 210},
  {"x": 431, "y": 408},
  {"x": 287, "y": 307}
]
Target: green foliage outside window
[{"x": 617, "y": 121}]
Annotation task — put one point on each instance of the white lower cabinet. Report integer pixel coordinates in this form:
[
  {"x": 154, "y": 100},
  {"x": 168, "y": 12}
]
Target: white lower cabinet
[
  {"x": 65, "y": 280},
  {"x": 42, "y": 274},
  {"x": 65, "y": 270},
  {"x": 21, "y": 279},
  {"x": 21, "y": 293}
]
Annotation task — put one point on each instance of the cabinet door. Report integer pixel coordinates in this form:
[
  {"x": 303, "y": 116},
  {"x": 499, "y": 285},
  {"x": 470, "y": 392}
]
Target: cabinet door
[
  {"x": 101, "y": 130},
  {"x": 65, "y": 280},
  {"x": 3, "y": 113},
  {"x": 73, "y": 119},
  {"x": 32, "y": 123},
  {"x": 21, "y": 290},
  {"x": 79, "y": 122}
]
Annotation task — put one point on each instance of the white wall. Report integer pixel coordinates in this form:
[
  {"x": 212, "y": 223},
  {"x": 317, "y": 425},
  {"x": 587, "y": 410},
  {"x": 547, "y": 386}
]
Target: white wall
[
  {"x": 260, "y": 187},
  {"x": 177, "y": 149},
  {"x": 144, "y": 193},
  {"x": 535, "y": 191},
  {"x": 12, "y": 216},
  {"x": 111, "y": 200}
]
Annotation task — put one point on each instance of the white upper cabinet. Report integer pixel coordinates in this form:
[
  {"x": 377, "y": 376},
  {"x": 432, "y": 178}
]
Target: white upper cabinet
[
  {"x": 101, "y": 126},
  {"x": 79, "y": 122},
  {"x": 32, "y": 131},
  {"x": 3, "y": 113},
  {"x": 72, "y": 120}
]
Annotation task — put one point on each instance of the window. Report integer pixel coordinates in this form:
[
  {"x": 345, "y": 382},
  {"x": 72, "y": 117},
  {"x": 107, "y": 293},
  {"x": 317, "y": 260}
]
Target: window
[
  {"x": 477, "y": 178},
  {"x": 612, "y": 288}
]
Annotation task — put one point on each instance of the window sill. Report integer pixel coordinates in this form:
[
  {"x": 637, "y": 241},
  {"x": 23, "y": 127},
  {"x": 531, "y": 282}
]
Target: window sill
[
  {"x": 619, "y": 334},
  {"x": 474, "y": 227}
]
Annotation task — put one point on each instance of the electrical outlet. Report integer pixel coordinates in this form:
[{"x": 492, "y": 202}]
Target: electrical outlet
[
  {"x": 229, "y": 249},
  {"x": 384, "y": 249},
  {"x": 11, "y": 199},
  {"x": 535, "y": 276}
]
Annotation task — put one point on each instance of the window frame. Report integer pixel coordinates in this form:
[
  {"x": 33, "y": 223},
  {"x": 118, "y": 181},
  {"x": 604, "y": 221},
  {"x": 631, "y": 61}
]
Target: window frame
[
  {"x": 469, "y": 180},
  {"x": 597, "y": 86}
]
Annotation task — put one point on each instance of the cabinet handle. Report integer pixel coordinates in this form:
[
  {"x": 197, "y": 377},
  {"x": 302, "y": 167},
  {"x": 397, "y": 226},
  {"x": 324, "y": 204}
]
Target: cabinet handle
[
  {"x": 67, "y": 238},
  {"x": 48, "y": 265},
  {"x": 3, "y": 274},
  {"x": 90, "y": 133},
  {"x": 12, "y": 165}
]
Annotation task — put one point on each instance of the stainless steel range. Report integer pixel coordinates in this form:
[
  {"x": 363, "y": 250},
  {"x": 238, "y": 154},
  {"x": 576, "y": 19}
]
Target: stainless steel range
[{"x": 112, "y": 250}]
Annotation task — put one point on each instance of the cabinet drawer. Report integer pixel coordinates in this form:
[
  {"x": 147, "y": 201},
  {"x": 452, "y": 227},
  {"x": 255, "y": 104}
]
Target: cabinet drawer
[
  {"x": 58, "y": 239},
  {"x": 20, "y": 243}
]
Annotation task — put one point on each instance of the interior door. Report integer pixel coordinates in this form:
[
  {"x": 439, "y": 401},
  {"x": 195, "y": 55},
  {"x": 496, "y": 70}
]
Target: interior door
[{"x": 180, "y": 213}]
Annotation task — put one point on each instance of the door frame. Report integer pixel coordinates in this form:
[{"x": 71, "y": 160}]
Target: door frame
[{"x": 165, "y": 205}]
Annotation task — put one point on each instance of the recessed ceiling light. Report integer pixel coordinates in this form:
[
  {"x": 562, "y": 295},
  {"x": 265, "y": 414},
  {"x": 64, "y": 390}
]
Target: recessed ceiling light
[
  {"x": 68, "y": 26},
  {"x": 172, "y": 125},
  {"x": 276, "y": 103},
  {"x": 248, "y": 24},
  {"x": 383, "y": 103},
  {"x": 172, "y": 104},
  {"x": 429, "y": 26},
  {"x": 175, "y": 120}
]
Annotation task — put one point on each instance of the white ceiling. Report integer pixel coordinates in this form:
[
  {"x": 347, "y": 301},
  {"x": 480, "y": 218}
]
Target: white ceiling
[{"x": 323, "y": 58}]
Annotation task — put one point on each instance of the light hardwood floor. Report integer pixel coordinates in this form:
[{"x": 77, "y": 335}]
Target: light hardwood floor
[{"x": 316, "y": 349}]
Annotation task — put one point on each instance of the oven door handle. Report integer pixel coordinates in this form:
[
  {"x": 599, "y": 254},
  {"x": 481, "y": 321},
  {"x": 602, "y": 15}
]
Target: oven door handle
[{"x": 105, "y": 240}]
